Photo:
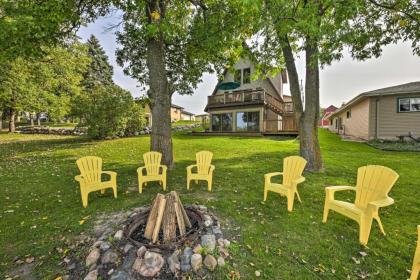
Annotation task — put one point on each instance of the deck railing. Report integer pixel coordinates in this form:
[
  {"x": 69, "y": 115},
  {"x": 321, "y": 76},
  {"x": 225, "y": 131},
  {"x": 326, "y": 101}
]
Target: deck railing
[{"x": 258, "y": 96}]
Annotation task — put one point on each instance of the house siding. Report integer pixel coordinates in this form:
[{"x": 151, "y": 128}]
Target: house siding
[
  {"x": 358, "y": 124},
  {"x": 388, "y": 122},
  {"x": 259, "y": 83}
]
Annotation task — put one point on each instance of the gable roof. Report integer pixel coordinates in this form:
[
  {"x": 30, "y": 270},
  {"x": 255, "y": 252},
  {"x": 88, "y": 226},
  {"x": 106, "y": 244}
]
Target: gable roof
[
  {"x": 282, "y": 74},
  {"x": 413, "y": 87},
  {"x": 176, "y": 106},
  {"x": 187, "y": 113}
]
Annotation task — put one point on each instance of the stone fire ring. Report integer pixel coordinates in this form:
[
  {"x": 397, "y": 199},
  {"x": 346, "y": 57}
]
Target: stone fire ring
[
  {"x": 114, "y": 254},
  {"x": 191, "y": 235}
]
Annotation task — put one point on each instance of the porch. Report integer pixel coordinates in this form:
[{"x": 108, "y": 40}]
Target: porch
[{"x": 250, "y": 112}]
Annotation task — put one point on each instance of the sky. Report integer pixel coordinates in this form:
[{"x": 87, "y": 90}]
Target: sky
[{"x": 339, "y": 82}]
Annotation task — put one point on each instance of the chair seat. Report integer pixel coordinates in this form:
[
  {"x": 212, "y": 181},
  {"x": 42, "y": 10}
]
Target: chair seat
[
  {"x": 278, "y": 187},
  {"x": 198, "y": 176},
  {"x": 347, "y": 209}
]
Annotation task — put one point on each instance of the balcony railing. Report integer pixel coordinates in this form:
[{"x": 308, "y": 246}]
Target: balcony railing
[{"x": 258, "y": 96}]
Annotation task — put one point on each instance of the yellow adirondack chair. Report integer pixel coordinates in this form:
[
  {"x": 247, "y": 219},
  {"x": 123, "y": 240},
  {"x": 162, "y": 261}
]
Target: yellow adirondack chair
[
  {"x": 373, "y": 185},
  {"x": 90, "y": 177},
  {"x": 204, "y": 169},
  {"x": 292, "y": 176},
  {"x": 416, "y": 261},
  {"x": 154, "y": 171}
]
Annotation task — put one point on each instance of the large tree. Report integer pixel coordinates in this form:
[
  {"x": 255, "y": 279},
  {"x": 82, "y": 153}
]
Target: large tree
[
  {"x": 43, "y": 85},
  {"x": 321, "y": 30},
  {"x": 100, "y": 71},
  {"x": 168, "y": 45}
]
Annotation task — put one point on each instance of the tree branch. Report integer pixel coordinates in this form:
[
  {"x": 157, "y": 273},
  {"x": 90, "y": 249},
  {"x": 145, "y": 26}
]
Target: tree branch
[
  {"x": 393, "y": 8},
  {"x": 293, "y": 75}
]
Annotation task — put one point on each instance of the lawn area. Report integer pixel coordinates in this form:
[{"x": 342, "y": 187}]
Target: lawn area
[{"x": 40, "y": 203}]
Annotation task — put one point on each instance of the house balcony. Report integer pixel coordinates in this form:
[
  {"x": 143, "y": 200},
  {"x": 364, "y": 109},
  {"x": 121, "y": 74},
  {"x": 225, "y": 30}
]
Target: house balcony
[{"x": 247, "y": 98}]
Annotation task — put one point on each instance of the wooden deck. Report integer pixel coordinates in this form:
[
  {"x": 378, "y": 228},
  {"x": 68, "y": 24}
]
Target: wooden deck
[{"x": 249, "y": 97}]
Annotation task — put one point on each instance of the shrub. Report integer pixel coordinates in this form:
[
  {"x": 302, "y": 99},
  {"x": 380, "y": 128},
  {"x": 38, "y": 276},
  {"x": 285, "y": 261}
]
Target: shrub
[
  {"x": 135, "y": 120},
  {"x": 108, "y": 111}
]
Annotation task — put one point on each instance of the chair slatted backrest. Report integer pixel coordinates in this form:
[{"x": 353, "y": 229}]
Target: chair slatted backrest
[
  {"x": 374, "y": 182},
  {"x": 152, "y": 162},
  {"x": 90, "y": 168},
  {"x": 203, "y": 161},
  {"x": 293, "y": 167}
]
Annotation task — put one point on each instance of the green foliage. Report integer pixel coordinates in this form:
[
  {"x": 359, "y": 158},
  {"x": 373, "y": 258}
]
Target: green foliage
[
  {"x": 104, "y": 111},
  {"x": 26, "y": 27},
  {"x": 136, "y": 120},
  {"x": 198, "y": 37},
  {"x": 44, "y": 85}
]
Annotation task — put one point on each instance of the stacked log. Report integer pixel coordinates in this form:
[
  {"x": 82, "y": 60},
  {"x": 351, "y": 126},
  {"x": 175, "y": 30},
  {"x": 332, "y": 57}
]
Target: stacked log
[{"x": 167, "y": 215}]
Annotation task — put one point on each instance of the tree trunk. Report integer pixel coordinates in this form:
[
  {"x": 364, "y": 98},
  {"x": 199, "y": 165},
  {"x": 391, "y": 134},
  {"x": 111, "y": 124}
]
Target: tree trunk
[
  {"x": 31, "y": 116},
  {"x": 160, "y": 97},
  {"x": 308, "y": 118},
  {"x": 1, "y": 120},
  {"x": 309, "y": 144},
  {"x": 12, "y": 115},
  {"x": 38, "y": 119}
]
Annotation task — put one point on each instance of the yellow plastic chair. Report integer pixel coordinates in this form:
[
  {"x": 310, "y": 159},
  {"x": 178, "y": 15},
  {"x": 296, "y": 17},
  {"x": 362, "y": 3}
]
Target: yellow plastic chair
[
  {"x": 154, "y": 171},
  {"x": 416, "y": 261},
  {"x": 90, "y": 177},
  {"x": 204, "y": 169},
  {"x": 373, "y": 185},
  {"x": 292, "y": 176}
]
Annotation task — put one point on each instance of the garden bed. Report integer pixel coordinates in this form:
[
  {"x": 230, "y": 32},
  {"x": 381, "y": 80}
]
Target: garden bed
[{"x": 398, "y": 146}]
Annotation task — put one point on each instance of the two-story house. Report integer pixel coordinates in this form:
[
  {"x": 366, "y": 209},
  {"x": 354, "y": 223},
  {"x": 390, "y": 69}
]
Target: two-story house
[{"x": 240, "y": 104}]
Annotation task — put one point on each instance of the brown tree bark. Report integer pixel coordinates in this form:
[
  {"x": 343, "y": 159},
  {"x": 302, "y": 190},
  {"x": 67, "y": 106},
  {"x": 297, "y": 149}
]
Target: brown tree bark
[
  {"x": 159, "y": 94},
  {"x": 12, "y": 115},
  {"x": 308, "y": 118},
  {"x": 1, "y": 120},
  {"x": 38, "y": 119}
]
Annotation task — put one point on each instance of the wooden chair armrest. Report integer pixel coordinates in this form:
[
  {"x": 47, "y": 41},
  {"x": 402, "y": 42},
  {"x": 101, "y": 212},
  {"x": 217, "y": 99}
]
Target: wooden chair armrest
[
  {"x": 212, "y": 167},
  {"x": 334, "y": 189},
  {"x": 110, "y": 173},
  {"x": 79, "y": 178},
  {"x": 190, "y": 167},
  {"x": 382, "y": 202},
  {"x": 164, "y": 168},
  {"x": 269, "y": 175},
  {"x": 140, "y": 170},
  {"x": 300, "y": 180}
]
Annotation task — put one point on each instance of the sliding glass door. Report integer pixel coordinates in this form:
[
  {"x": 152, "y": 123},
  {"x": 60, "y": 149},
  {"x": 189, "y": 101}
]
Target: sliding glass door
[
  {"x": 248, "y": 121},
  {"x": 221, "y": 122}
]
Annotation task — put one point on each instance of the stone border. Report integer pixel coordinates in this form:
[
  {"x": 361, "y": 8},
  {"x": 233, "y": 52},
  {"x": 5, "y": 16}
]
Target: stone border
[{"x": 111, "y": 256}]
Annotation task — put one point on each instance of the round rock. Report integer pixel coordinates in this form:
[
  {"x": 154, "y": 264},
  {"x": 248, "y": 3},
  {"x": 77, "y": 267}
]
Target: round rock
[
  {"x": 109, "y": 257},
  {"x": 196, "y": 262},
  {"x": 93, "y": 257},
  {"x": 208, "y": 241},
  {"x": 150, "y": 265},
  {"x": 210, "y": 262}
]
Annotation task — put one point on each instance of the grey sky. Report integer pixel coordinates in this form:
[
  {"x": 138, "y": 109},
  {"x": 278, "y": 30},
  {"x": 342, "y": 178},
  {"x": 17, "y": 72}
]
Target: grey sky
[{"x": 339, "y": 82}]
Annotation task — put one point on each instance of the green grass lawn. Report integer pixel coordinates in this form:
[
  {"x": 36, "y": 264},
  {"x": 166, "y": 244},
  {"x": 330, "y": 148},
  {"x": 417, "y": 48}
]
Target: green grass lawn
[{"x": 41, "y": 206}]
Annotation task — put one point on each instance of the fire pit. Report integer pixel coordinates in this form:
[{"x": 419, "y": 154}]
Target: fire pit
[{"x": 163, "y": 241}]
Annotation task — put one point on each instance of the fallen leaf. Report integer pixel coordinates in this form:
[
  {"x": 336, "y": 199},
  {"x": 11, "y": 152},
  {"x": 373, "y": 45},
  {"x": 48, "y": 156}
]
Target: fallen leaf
[{"x": 355, "y": 260}]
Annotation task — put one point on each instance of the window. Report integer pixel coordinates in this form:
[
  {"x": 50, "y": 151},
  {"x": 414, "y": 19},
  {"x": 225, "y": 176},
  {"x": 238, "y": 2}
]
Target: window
[
  {"x": 248, "y": 121},
  {"x": 348, "y": 113},
  {"x": 247, "y": 76},
  {"x": 409, "y": 104},
  {"x": 237, "y": 77},
  {"x": 221, "y": 122}
]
